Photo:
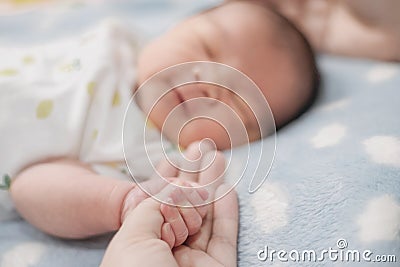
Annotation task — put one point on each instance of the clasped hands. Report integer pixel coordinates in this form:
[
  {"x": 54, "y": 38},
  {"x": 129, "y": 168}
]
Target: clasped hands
[{"x": 156, "y": 234}]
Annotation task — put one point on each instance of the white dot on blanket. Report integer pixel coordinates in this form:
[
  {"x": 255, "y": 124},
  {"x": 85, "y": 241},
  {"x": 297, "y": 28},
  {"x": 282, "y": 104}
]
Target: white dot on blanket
[
  {"x": 380, "y": 220},
  {"x": 335, "y": 105},
  {"x": 382, "y": 73},
  {"x": 383, "y": 150},
  {"x": 23, "y": 255},
  {"x": 270, "y": 204},
  {"x": 329, "y": 135}
]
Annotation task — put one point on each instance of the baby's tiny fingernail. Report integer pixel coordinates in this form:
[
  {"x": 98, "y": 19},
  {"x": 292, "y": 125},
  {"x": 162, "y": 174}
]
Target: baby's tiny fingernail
[{"x": 167, "y": 228}]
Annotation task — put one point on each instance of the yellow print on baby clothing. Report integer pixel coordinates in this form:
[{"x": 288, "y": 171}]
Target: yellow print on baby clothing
[
  {"x": 44, "y": 109},
  {"x": 8, "y": 72}
]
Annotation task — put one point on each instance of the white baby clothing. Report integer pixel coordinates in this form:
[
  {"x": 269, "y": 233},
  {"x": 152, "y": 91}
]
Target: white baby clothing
[{"x": 68, "y": 99}]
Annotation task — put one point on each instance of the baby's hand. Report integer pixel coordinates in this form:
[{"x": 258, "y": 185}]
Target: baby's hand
[
  {"x": 183, "y": 219},
  {"x": 181, "y": 216}
]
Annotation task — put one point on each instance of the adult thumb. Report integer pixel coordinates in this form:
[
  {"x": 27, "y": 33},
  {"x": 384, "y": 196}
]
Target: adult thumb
[{"x": 143, "y": 222}]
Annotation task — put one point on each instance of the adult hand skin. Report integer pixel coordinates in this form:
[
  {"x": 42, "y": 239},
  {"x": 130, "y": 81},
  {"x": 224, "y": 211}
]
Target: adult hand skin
[{"x": 139, "y": 240}]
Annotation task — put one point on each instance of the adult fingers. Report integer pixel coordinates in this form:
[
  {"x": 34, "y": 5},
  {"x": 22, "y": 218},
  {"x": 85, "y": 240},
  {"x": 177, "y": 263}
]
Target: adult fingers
[
  {"x": 189, "y": 168},
  {"x": 192, "y": 218},
  {"x": 140, "y": 193},
  {"x": 185, "y": 197},
  {"x": 196, "y": 198},
  {"x": 165, "y": 169},
  {"x": 143, "y": 222},
  {"x": 138, "y": 238},
  {"x": 167, "y": 234},
  {"x": 214, "y": 171},
  {"x": 223, "y": 242},
  {"x": 173, "y": 217},
  {"x": 200, "y": 240}
]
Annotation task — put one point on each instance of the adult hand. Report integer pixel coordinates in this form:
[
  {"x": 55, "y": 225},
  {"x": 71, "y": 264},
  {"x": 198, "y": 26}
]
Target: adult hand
[
  {"x": 216, "y": 242},
  {"x": 139, "y": 239}
]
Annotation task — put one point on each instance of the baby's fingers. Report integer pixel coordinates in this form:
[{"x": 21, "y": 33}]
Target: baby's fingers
[
  {"x": 189, "y": 200},
  {"x": 167, "y": 234},
  {"x": 192, "y": 219},
  {"x": 185, "y": 194},
  {"x": 178, "y": 226},
  {"x": 185, "y": 219},
  {"x": 196, "y": 197}
]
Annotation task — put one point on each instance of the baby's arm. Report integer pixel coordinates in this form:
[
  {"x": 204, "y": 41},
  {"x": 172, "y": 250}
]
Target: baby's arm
[{"x": 66, "y": 198}]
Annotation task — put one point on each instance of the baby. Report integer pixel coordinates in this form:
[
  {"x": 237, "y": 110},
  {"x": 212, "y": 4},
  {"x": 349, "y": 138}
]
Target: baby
[{"x": 66, "y": 194}]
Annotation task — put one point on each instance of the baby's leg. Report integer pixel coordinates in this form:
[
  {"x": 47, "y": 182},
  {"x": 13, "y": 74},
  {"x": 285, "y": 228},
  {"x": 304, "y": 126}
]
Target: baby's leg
[{"x": 66, "y": 198}]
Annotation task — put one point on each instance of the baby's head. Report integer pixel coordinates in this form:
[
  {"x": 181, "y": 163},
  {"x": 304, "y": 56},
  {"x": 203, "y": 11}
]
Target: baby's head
[{"x": 248, "y": 36}]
